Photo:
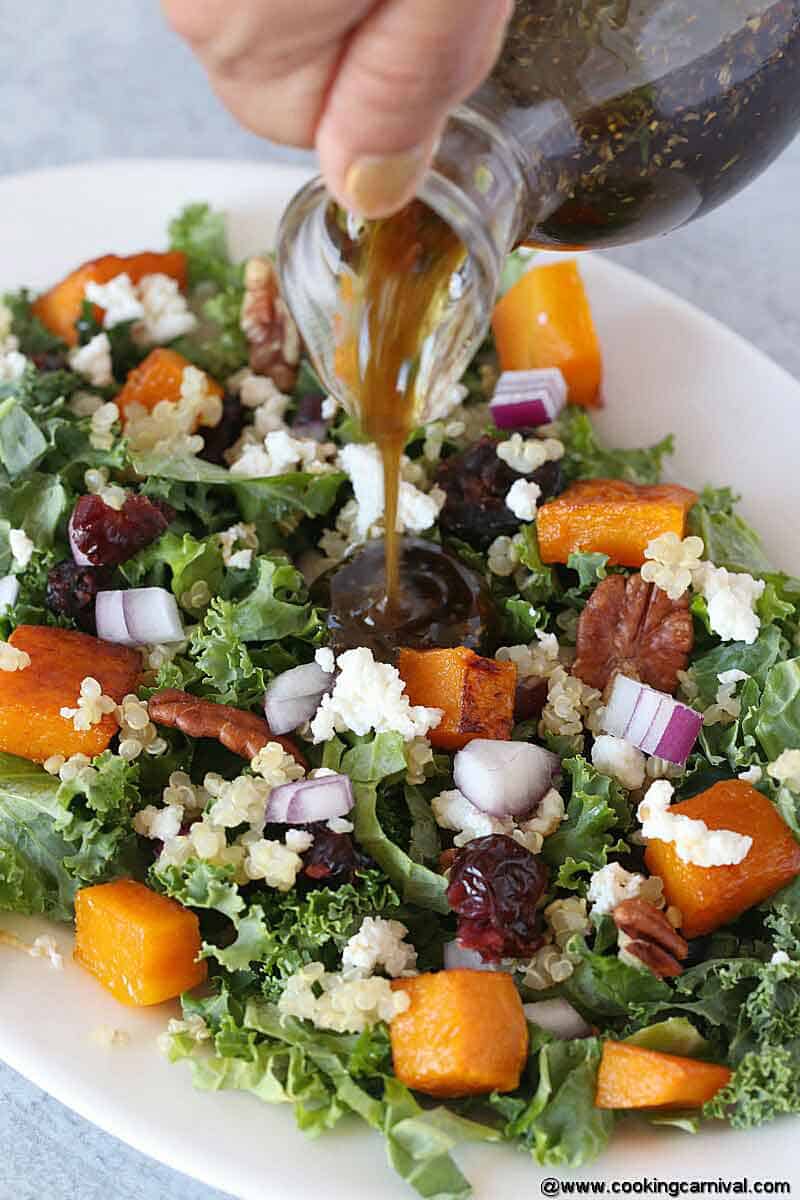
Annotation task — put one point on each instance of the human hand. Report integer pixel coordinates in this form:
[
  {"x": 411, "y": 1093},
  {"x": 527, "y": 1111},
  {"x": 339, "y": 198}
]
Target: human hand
[{"x": 369, "y": 83}]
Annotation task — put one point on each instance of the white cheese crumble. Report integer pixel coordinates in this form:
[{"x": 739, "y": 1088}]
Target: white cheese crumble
[
  {"x": 526, "y": 455},
  {"x": 280, "y": 453},
  {"x": 780, "y": 958},
  {"x": 12, "y": 658},
  {"x": 751, "y": 775},
  {"x": 91, "y": 705},
  {"x": 165, "y": 312},
  {"x": 416, "y": 510},
  {"x": 786, "y": 769},
  {"x": 12, "y": 366},
  {"x": 452, "y": 810},
  {"x": 93, "y": 361},
  {"x": 330, "y": 1001},
  {"x": 370, "y": 695},
  {"x": 727, "y": 706},
  {"x": 620, "y": 759},
  {"x": 325, "y": 660},
  {"x": 522, "y": 498},
  {"x": 118, "y": 298},
  {"x": 612, "y": 884},
  {"x": 670, "y": 563},
  {"x": 379, "y": 943},
  {"x": 731, "y": 599},
  {"x": 694, "y": 842},
  {"x": 238, "y": 544},
  {"x": 21, "y": 547}
]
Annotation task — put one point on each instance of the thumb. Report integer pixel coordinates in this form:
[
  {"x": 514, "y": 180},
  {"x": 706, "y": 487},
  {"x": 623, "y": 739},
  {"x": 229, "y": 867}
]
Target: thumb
[{"x": 403, "y": 70}]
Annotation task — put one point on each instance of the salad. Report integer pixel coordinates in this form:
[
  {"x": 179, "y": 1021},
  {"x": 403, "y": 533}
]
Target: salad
[{"x": 563, "y": 812}]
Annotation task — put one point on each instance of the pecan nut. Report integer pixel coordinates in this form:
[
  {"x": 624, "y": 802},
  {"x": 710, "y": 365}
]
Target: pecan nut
[
  {"x": 651, "y": 937},
  {"x": 632, "y": 628},
  {"x": 243, "y": 733},
  {"x": 266, "y": 322}
]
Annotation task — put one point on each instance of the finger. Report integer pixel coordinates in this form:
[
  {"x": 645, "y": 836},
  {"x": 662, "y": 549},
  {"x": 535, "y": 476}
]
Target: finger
[{"x": 402, "y": 72}]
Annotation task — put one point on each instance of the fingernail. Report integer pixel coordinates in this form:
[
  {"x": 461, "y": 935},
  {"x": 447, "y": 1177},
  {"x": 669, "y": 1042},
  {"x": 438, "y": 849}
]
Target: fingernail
[{"x": 377, "y": 184}]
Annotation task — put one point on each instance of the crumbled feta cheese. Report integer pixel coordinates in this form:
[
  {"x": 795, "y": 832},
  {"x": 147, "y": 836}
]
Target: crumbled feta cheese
[
  {"x": 12, "y": 366},
  {"x": 281, "y": 453},
  {"x": 93, "y": 361},
  {"x": 694, "y": 842},
  {"x": 751, "y": 775},
  {"x": 324, "y": 658},
  {"x": 786, "y": 769},
  {"x": 92, "y": 705},
  {"x": 780, "y": 958},
  {"x": 731, "y": 600},
  {"x": 670, "y": 562},
  {"x": 21, "y": 547},
  {"x": 622, "y": 761},
  {"x": 726, "y": 707},
  {"x": 419, "y": 755},
  {"x": 329, "y": 407},
  {"x": 379, "y": 943},
  {"x": 344, "y": 1005},
  {"x": 107, "y": 1037},
  {"x": 238, "y": 543},
  {"x": 118, "y": 299},
  {"x": 452, "y": 810},
  {"x": 522, "y": 498},
  {"x": 299, "y": 840},
  {"x": 526, "y": 455},
  {"x": 12, "y": 658},
  {"x": 416, "y": 511},
  {"x": 340, "y": 825},
  {"x": 273, "y": 862},
  {"x": 165, "y": 312},
  {"x": 370, "y": 695},
  {"x": 503, "y": 556},
  {"x": 612, "y": 884}
]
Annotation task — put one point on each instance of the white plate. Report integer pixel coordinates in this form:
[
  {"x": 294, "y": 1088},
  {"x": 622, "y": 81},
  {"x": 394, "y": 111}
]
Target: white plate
[{"x": 668, "y": 368}]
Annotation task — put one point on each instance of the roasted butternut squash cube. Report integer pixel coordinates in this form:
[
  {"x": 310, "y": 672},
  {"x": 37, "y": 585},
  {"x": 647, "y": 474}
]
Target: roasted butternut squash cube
[
  {"x": 157, "y": 378},
  {"x": 464, "y": 1034},
  {"x": 610, "y": 516},
  {"x": 59, "y": 308},
  {"x": 709, "y": 897},
  {"x": 545, "y": 320},
  {"x": 31, "y": 700},
  {"x": 632, "y": 1077},
  {"x": 142, "y": 947},
  {"x": 476, "y": 694}
]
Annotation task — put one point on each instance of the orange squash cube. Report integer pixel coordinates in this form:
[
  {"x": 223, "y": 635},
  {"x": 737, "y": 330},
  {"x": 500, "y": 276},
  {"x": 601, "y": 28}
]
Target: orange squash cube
[
  {"x": 142, "y": 947},
  {"x": 476, "y": 694},
  {"x": 464, "y": 1034},
  {"x": 632, "y": 1077},
  {"x": 157, "y": 378},
  {"x": 545, "y": 320},
  {"x": 59, "y": 308},
  {"x": 31, "y": 724},
  {"x": 610, "y": 516},
  {"x": 709, "y": 897}
]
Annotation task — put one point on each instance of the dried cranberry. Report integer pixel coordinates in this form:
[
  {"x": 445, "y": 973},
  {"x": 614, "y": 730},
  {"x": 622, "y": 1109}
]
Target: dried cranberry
[
  {"x": 71, "y": 592},
  {"x": 530, "y": 698},
  {"x": 476, "y": 483},
  {"x": 495, "y": 885},
  {"x": 332, "y": 860},
  {"x": 108, "y": 536},
  {"x": 219, "y": 438}
]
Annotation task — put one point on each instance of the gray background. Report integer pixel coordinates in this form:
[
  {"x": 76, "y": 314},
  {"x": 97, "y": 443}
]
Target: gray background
[{"x": 86, "y": 80}]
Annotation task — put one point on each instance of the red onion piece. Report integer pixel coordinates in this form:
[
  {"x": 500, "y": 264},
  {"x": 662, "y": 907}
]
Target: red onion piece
[
  {"x": 294, "y": 696},
  {"x": 138, "y": 617},
  {"x": 653, "y": 721},
  {"x": 525, "y": 398},
  {"x": 504, "y": 779},
  {"x": 308, "y": 800},
  {"x": 458, "y": 958},
  {"x": 9, "y": 590},
  {"x": 77, "y": 555},
  {"x": 557, "y": 1017}
]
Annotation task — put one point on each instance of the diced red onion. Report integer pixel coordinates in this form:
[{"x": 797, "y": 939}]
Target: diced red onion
[
  {"x": 651, "y": 720},
  {"x": 9, "y": 590},
  {"x": 308, "y": 800},
  {"x": 77, "y": 555},
  {"x": 557, "y": 1017},
  {"x": 317, "y": 431},
  {"x": 458, "y": 958},
  {"x": 504, "y": 779},
  {"x": 525, "y": 398},
  {"x": 138, "y": 617},
  {"x": 294, "y": 696}
]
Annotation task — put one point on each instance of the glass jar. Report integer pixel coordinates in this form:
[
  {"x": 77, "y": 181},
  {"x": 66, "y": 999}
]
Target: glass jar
[{"x": 604, "y": 121}]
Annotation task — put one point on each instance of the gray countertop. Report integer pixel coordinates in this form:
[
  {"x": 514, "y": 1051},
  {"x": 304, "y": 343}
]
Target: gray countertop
[{"x": 84, "y": 80}]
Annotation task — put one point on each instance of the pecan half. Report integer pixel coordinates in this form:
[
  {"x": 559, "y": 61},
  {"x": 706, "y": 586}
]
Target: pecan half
[
  {"x": 633, "y": 628},
  {"x": 652, "y": 939},
  {"x": 243, "y": 733},
  {"x": 267, "y": 324}
]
